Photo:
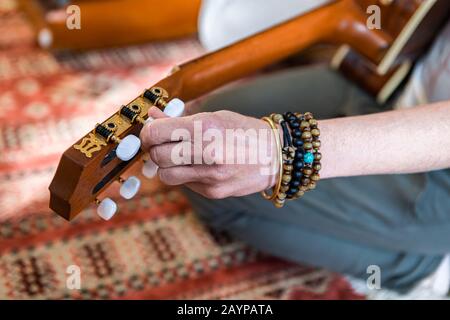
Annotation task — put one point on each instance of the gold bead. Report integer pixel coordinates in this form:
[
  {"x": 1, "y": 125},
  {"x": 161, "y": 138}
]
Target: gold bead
[
  {"x": 317, "y": 167},
  {"x": 277, "y": 118},
  {"x": 288, "y": 167},
  {"x": 281, "y": 196},
  {"x": 306, "y": 135},
  {"x": 315, "y": 177},
  {"x": 308, "y": 115},
  {"x": 298, "y": 114},
  {"x": 316, "y": 144},
  {"x": 307, "y": 171},
  {"x": 307, "y": 146},
  {"x": 278, "y": 203},
  {"x": 303, "y": 188},
  {"x": 315, "y": 132},
  {"x": 300, "y": 194},
  {"x": 312, "y": 185},
  {"x": 318, "y": 156},
  {"x": 313, "y": 122},
  {"x": 286, "y": 178},
  {"x": 304, "y": 124},
  {"x": 284, "y": 188}
]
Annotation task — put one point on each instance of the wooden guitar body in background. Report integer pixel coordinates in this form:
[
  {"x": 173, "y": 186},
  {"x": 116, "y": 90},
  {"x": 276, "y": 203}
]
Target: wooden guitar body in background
[
  {"x": 83, "y": 173},
  {"x": 413, "y": 25},
  {"x": 106, "y": 23}
]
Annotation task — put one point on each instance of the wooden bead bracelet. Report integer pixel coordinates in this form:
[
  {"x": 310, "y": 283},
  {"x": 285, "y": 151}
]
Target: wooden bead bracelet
[{"x": 298, "y": 156}]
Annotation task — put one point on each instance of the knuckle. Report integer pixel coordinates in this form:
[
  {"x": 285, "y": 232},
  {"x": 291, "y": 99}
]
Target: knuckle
[
  {"x": 220, "y": 173},
  {"x": 154, "y": 155},
  {"x": 224, "y": 113},
  {"x": 153, "y": 132},
  {"x": 166, "y": 176},
  {"x": 211, "y": 121},
  {"x": 215, "y": 193}
]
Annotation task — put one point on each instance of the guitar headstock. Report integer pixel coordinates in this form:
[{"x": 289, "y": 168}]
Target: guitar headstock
[{"x": 99, "y": 158}]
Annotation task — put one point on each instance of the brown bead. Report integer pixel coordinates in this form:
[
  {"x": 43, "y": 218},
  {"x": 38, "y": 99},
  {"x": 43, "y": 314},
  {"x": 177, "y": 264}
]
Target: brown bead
[
  {"x": 315, "y": 177},
  {"x": 281, "y": 196},
  {"x": 305, "y": 182},
  {"x": 318, "y": 156},
  {"x": 307, "y": 171},
  {"x": 286, "y": 178},
  {"x": 284, "y": 188},
  {"x": 277, "y": 118},
  {"x": 313, "y": 123},
  {"x": 278, "y": 203},
  {"x": 300, "y": 194},
  {"x": 317, "y": 166},
  {"x": 288, "y": 167},
  {"x": 308, "y": 116},
  {"x": 303, "y": 188},
  {"x": 307, "y": 146},
  {"x": 306, "y": 135},
  {"x": 304, "y": 124},
  {"x": 315, "y": 132},
  {"x": 312, "y": 185},
  {"x": 297, "y": 114},
  {"x": 316, "y": 144}
]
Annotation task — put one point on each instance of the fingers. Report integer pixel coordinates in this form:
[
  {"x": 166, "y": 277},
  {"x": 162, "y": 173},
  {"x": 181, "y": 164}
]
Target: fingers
[
  {"x": 156, "y": 113},
  {"x": 172, "y": 154},
  {"x": 217, "y": 191},
  {"x": 181, "y": 175},
  {"x": 163, "y": 130}
]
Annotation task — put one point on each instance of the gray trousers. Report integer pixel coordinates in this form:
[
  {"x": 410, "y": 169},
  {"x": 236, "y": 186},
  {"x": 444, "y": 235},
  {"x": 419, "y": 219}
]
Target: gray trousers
[{"x": 400, "y": 223}]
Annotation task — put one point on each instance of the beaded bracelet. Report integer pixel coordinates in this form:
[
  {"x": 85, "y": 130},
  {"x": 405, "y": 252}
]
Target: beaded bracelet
[
  {"x": 311, "y": 143},
  {"x": 288, "y": 159},
  {"x": 299, "y": 158}
]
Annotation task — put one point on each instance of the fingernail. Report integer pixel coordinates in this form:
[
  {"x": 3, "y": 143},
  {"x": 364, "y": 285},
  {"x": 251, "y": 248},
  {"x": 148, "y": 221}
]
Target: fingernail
[{"x": 149, "y": 120}]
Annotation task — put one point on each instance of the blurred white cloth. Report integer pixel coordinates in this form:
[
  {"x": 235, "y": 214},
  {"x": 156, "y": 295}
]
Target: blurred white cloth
[
  {"x": 223, "y": 22},
  {"x": 430, "y": 81}
]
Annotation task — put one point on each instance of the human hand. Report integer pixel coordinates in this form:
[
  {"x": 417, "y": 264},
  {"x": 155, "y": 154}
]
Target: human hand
[{"x": 218, "y": 155}]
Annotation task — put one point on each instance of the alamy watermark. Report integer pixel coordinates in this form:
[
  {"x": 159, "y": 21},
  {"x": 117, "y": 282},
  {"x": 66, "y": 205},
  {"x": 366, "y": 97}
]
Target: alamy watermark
[
  {"x": 73, "y": 20},
  {"x": 73, "y": 280},
  {"x": 229, "y": 146},
  {"x": 374, "y": 280}
]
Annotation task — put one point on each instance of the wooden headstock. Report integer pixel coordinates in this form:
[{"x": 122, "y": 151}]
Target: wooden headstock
[{"x": 89, "y": 166}]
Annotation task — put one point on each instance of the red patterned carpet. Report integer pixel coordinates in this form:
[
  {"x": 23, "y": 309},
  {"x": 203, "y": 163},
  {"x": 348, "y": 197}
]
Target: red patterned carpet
[{"x": 154, "y": 248}]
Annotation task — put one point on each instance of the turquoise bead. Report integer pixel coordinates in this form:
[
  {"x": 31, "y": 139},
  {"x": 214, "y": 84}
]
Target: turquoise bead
[{"x": 308, "y": 157}]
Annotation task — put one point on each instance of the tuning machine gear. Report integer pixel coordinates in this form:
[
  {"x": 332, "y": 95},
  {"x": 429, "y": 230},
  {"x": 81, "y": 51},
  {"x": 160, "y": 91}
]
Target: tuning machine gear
[
  {"x": 158, "y": 97},
  {"x": 127, "y": 147}
]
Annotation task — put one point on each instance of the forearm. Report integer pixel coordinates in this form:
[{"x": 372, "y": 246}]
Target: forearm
[{"x": 402, "y": 141}]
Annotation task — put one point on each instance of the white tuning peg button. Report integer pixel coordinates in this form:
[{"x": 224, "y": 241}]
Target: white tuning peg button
[
  {"x": 107, "y": 209},
  {"x": 130, "y": 187},
  {"x": 149, "y": 169},
  {"x": 128, "y": 147},
  {"x": 174, "y": 108}
]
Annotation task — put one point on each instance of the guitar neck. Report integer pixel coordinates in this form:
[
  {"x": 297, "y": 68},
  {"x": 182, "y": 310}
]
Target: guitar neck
[{"x": 334, "y": 22}]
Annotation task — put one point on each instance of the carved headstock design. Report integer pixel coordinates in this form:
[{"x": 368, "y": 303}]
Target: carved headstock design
[{"x": 372, "y": 57}]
